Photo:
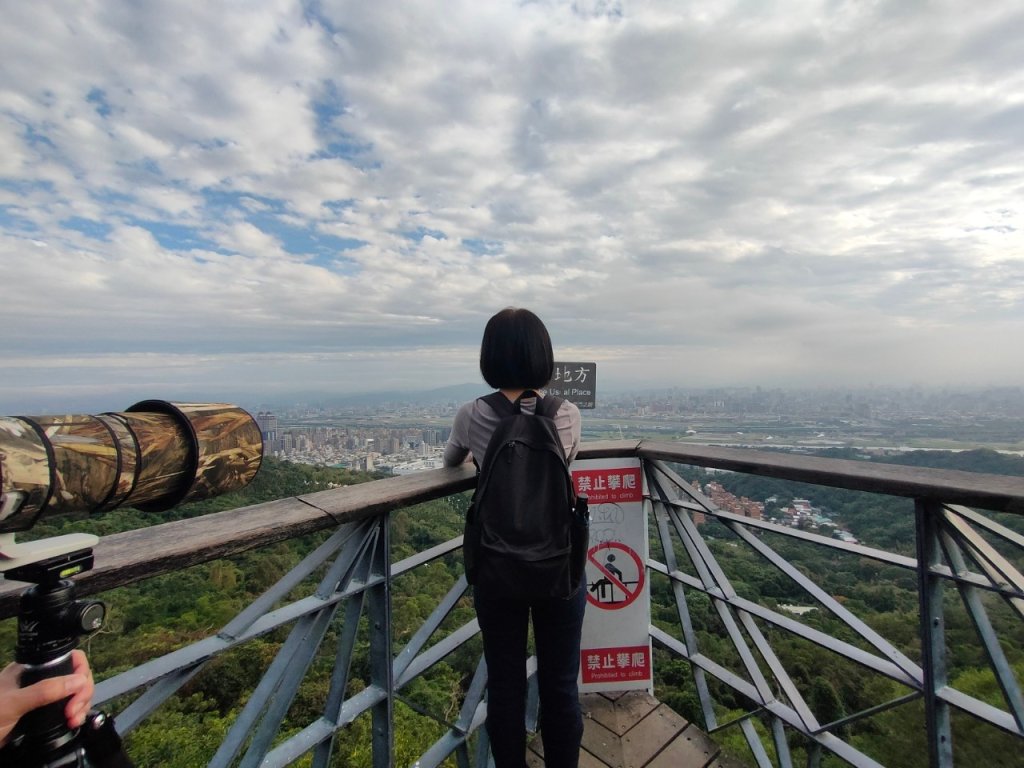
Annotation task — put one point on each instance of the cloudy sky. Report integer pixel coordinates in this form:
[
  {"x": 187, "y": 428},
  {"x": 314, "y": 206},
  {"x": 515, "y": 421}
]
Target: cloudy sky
[{"x": 213, "y": 200}]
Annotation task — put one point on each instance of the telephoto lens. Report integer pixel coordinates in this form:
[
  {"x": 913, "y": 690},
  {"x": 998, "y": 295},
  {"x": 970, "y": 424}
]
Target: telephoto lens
[{"x": 153, "y": 456}]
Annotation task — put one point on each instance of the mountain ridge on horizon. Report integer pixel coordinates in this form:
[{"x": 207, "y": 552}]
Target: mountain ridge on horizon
[
  {"x": 458, "y": 392},
  {"x": 37, "y": 405}
]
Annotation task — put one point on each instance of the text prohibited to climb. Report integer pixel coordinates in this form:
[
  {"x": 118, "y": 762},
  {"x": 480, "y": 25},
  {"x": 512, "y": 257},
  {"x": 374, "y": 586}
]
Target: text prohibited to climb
[
  {"x": 615, "y": 653},
  {"x": 616, "y": 665}
]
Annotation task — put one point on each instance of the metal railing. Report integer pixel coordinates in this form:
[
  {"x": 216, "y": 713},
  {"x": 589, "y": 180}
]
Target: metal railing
[
  {"x": 353, "y": 576},
  {"x": 948, "y": 541}
]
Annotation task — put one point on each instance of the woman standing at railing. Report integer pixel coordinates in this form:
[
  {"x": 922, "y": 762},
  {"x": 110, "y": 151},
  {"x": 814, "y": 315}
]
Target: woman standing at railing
[{"x": 515, "y": 358}]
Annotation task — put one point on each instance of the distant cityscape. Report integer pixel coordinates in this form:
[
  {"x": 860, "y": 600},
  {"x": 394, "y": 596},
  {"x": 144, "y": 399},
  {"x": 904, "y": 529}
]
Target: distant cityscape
[
  {"x": 398, "y": 450},
  {"x": 402, "y": 435}
]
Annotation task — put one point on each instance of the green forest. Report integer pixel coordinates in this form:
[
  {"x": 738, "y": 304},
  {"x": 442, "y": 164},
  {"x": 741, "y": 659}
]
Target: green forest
[{"x": 155, "y": 616}]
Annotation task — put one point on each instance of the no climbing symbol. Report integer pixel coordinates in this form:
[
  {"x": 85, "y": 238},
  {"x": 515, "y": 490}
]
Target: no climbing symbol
[{"x": 615, "y": 575}]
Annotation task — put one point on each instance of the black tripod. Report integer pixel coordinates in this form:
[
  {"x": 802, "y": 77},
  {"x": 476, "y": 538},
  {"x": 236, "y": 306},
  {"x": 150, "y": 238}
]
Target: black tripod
[{"x": 50, "y": 623}]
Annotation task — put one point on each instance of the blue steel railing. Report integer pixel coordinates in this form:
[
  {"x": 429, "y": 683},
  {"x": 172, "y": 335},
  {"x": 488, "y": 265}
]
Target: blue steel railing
[
  {"x": 353, "y": 578},
  {"x": 952, "y": 541}
]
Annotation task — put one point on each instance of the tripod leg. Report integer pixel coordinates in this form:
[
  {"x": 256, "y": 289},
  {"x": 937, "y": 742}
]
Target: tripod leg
[{"x": 102, "y": 742}]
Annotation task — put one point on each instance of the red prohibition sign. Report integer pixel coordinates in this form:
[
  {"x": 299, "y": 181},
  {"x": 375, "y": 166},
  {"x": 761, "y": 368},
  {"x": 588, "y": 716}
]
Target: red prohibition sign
[{"x": 611, "y": 578}]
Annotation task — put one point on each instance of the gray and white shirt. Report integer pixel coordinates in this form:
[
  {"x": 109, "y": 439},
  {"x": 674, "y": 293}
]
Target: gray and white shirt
[{"x": 476, "y": 421}]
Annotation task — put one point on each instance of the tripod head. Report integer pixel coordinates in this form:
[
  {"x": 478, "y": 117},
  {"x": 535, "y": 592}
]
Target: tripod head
[{"x": 50, "y": 623}]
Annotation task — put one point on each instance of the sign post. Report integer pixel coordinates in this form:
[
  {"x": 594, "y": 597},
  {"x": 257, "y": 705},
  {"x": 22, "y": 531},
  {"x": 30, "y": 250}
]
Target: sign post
[{"x": 615, "y": 653}]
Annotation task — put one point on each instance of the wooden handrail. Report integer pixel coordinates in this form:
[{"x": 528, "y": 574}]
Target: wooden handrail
[
  {"x": 140, "y": 554},
  {"x": 999, "y": 493},
  {"x": 133, "y": 555}
]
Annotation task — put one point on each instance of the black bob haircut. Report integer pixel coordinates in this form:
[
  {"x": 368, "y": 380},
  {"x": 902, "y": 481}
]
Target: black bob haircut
[{"x": 516, "y": 351}]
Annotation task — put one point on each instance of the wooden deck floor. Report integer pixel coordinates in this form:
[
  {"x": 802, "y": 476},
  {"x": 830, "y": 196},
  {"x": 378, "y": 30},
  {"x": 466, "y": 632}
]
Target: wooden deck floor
[{"x": 634, "y": 730}]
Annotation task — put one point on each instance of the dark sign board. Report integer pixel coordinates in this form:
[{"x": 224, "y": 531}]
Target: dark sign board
[{"x": 575, "y": 382}]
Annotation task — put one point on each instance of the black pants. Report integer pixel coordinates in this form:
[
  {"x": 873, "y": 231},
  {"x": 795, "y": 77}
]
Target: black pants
[{"x": 556, "y": 631}]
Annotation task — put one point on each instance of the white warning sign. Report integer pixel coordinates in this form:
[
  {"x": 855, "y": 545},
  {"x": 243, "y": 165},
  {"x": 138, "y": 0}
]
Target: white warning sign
[{"x": 615, "y": 653}]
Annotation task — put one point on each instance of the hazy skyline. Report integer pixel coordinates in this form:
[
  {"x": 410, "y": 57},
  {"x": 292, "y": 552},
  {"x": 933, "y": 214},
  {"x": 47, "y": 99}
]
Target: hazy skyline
[{"x": 213, "y": 200}]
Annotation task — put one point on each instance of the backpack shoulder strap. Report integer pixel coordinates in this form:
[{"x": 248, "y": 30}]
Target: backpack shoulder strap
[
  {"x": 500, "y": 404},
  {"x": 549, "y": 406}
]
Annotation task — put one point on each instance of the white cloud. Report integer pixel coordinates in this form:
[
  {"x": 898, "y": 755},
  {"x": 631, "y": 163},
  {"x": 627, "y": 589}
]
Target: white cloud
[{"x": 723, "y": 193}]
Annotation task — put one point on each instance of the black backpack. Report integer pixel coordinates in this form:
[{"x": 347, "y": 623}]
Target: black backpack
[{"x": 526, "y": 532}]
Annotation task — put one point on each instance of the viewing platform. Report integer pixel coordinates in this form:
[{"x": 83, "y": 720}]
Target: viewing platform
[
  {"x": 634, "y": 730},
  {"x": 746, "y": 671}
]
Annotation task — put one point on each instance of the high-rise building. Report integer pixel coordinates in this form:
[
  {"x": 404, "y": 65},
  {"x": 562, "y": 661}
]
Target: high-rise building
[{"x": 267, "y": 423}]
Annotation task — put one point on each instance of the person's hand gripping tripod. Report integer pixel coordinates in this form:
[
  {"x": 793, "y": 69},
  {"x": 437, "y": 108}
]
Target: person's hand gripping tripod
[{"x": 15, "y": 702}]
